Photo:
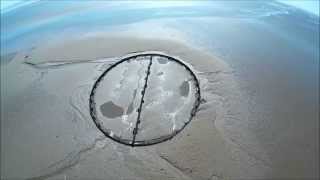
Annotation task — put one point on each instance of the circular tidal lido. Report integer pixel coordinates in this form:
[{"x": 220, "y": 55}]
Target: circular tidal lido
[{"x": 144, "y": 99}]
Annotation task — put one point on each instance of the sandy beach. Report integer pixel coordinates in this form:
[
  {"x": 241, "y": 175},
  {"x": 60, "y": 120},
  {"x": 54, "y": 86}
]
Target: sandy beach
[
  {"x": 53, "y": 116},
  {"x": 258, "y": 116}
]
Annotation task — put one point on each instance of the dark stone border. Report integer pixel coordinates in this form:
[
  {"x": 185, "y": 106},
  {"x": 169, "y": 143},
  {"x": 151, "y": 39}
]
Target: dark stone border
[{"x": 114, "y": 137}]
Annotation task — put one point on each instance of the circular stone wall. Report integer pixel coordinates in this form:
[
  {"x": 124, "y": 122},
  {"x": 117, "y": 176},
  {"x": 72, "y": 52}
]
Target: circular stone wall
[{"x": 144, "y": 99}]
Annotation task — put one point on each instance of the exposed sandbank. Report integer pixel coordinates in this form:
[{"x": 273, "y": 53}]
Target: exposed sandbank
[{"x": 47, "y": 131}]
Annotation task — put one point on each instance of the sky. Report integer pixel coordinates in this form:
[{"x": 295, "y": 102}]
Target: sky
[{"x": 311, "y": 6}]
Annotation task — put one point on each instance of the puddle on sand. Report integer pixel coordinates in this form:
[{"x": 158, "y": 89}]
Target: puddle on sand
[
  {"x": 111, "y": 110},
  {"x": 184, "y": 89}
]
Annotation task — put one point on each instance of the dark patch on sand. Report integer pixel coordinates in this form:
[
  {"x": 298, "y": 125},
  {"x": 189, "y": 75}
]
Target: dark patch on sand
[
  {"x": 111, "y": 110},
  {"x": 184, "y": 89}
]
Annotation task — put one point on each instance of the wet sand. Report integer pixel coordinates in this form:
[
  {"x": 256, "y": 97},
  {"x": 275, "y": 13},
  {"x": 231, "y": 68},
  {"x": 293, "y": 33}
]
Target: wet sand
[
  {"x": 259, "y": 116},
  {"x": 47, "y": 131}
]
